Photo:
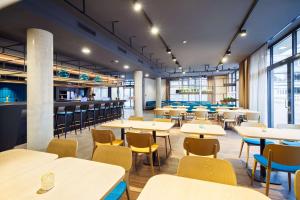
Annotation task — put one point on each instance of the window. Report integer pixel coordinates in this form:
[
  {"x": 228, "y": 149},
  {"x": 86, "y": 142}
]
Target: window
[
  {"x": 298, "y": 41},
  {"x": 283, "y": 49}
]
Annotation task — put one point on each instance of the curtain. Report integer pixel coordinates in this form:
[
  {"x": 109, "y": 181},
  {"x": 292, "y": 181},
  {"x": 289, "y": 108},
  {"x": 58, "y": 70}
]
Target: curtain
[
  {"x": 258, "y": 82},
  {"x": 244, "y": 84}
]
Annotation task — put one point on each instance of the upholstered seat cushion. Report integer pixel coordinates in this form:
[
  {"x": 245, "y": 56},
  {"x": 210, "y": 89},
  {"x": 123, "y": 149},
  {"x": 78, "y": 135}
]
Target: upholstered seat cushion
[
  {"x": 79, "y": 111},
  {"x": 154, "y": 147},
  {"x": 276, "y": 166},
  {"x": 62, "y": 113},
  {"x": 291, "y": 143},
  {"x": 256, "y": 142},
  {"x": 114, "y": 143},
  {"x": 117, "y": 192}
]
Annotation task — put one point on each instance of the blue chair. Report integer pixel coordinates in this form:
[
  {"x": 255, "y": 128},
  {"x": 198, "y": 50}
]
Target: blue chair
[
  {"x": 278, "y": 157},
  {"x": 251, "y": 141},
  {"x": 117, "y": 192}
]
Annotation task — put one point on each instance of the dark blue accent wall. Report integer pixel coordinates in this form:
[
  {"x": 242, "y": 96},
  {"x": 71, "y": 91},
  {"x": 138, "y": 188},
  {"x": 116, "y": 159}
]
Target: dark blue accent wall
[{"x": 16, "y": 92}]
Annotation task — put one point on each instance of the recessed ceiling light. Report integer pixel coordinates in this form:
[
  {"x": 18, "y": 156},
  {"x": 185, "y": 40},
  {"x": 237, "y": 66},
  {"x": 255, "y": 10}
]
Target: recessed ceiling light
[
  {"x": 122, "y": 76},
  {"x": 126, "y": 67},
  {"x": 154, "y": 30},
  {"x": 137, "y": 6},
  {"x": 224, "y": 59},
  {"x": 179, "y": 68},
  {"x": 146, "y": 75},
  {"x": 184, "y": 42},
  {"x": 183, "y": 72},
  {"x": 243, "y": 32},
  {"x": 116, "y": 61},
  {"x": 85, "y": 50}
]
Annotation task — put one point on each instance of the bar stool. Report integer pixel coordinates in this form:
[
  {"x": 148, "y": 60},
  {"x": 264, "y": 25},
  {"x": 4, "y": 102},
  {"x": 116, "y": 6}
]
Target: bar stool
[
  {"x": 107, "y": 112},
  {"x": 101, "y": 116},
  {"x": 121, "y": 108},
  {"x": 115, "y": 110},
  {"x": 82, "y": 111},
  {"x": 68, "y": 112},
  {"x": 92, "y": 111}
]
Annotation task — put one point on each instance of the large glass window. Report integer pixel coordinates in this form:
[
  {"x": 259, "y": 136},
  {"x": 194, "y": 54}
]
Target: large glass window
[
  {"x": 297, "y": 91},
  {"x": 283, "y": 49},
  {"x": 298, "y": 41}
]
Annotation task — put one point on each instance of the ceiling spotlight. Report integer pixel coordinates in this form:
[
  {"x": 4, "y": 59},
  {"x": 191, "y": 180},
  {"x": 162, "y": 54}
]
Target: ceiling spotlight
[
  {"x": 176, "y": 62},
  {"x": 183, "y": 72},
  {"x": 243, "y": 32},
  {"x": 137, "y": 7},
  {"x": 122, "y": 76},
  {"x": 224, "y": 59},
  {"x": 228, "y": 52},
  {"x": 180, "y": 68},
  {"x": 217, "y": 69},
  {"x": 116, "y": 61},
  {"x": 169, "y": 51},
  {"x": 174, "y": 58},
  {"x": 85, "y": 50},
  {"x": 154, "y": 30},
  {"x": 126, "y": 67},
  {"x": 146, "y": 75},
  {"x": 184, "y": 42}
]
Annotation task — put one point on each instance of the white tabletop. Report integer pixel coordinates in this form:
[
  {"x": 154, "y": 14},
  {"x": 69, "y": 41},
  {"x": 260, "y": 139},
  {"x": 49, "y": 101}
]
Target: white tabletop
[
  {"x": 168, "y": 109},
  {"x": 169, "y": 187},
  {"x": 268, "y": 133},
  {"x": 203, "y": 129},
  {"x": 17, "y": 161},
  {"x": 143, "y": 125},
  {"x": 200, "y": 109},
  {"x": 75, "y": 179}
]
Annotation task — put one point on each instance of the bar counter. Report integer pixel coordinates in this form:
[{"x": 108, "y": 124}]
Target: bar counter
[{"x": 13, "y": 121}]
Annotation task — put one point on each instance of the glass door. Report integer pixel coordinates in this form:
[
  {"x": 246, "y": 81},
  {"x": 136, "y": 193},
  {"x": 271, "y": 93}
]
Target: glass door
[
  {"x": 279, "y": 95},
  {"x": 128, "y": 96},
  {"x": 296, "y": 91}
]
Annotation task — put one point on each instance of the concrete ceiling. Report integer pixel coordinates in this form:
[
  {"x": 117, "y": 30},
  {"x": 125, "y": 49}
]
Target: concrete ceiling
[{"x": 206, "y": 25}]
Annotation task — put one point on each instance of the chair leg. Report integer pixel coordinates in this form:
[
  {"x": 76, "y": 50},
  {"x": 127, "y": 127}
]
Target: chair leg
[
  {"x": 268, "y": 181},
  {"x": 166, "y": 147},
  {"x": 242, "y": 145},
  {"x": 127, "y": 192},
  {"x": 151, "y": 163},
  {"x": 248, "y": 152},
  {"x": 158, "y": 159},
  {"x": 170, "y": 143},
  {"x": 253, "y": 171},
  {"x": 289, "y": 180},
  {"x": 135, "y": 161}
]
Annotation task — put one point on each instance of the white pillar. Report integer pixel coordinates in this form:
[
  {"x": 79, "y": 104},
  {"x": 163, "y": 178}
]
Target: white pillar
[
  {"x": 158, "y": 92},
  {"x": 138, "y": 93},
  {"x": 39, "y": 88}
]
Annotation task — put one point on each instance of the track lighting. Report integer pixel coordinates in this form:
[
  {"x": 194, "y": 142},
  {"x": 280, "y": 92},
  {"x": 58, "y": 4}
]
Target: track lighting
[
  {"x": 174, "y": 58},
  {"x": 137, "y": 6},
  {"x": 243, "y": 32},
  {"x": 224, "y": 59},
  {"x": 169, "y": 51},
  {"x": 228, "y": 52},
  {"x": 154, "y": 30},
  {"x": 126, "y": 67}
]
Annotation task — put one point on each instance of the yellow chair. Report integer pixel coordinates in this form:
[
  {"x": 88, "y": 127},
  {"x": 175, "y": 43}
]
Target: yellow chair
[
  {"x": 253, "y": 117},
  {"x": 143, "y": 143},
  {"x": 176, "y": 115},
  {"x": 201, "y": 114},
  {"x": 164, "y": 134},
  {"x": 105, "y": 137},
  {"x": 160, "y": 113},
  {"x": 229, "y": 117},
  {"x": 136, "y": 118},
  {"x": 116, "y": 155},
  {"x": 207, "y": 169},
  {"x": 297, "y": 185},
  {"x": 278, "y": 157},
  {"x": 63, "y": 147},
  {"x": 201, "y": 147}
]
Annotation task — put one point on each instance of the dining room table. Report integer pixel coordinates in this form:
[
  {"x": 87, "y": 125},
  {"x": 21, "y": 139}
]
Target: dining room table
[
  {"x": 74, "y": 179},
  {"x": 267, "y": 133},
  {"x": 177, "y": 188},
  {"x": 203, "y": 129}
]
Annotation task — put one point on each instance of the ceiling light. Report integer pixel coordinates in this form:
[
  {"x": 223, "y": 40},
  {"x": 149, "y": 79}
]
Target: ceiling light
[
  {"x": 154, "y": 30},
  {"x": 183, "y": 72},
  {"x": 126, "y": 67},
  {"x": 122, "y": 76},
  {"x": 116, "y": 61},
  {"x": 243, "y": 32},
  {"x": 179, "y": 68},
  {"x": 85, "y": 50},
  {"x": 146, "y": 75},
  {"x": 184, "y": 42},
  {"x": 228, "y": 52},
  {"x": 137, "y": 7},
  {"x": 174, "y": 58},
  {"x": 176, "y": 62},
  {"x": 224, "y": 59},
  {"x": 169, "y": 51}
]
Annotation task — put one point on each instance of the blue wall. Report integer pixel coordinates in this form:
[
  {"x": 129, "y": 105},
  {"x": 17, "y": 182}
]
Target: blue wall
[{"x": 16, "y": 92}]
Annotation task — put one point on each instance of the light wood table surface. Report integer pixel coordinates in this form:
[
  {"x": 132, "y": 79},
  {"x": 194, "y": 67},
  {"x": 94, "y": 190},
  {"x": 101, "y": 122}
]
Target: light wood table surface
[
  {"x": 174, "y": 187},
  {"x": 203, "y": 129},
  {"x": 200, "y": 109},
  {"x": 75, "y": 179},
  {"x": 168, "y": 109},
  {"x": 18, "y": 161}
]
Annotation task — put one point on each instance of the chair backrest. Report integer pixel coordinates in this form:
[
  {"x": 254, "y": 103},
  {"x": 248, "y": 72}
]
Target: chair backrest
[
  {"x": 103, "y": 136},
  {"x": 253, "y": 124},
  {"x": 70, "y": 108},
  {"x": 63, "y": 147},
  {"x": 200, "y": 121},
  {"x": 207, "y": 169},
  {"x": 201, "y": 114},
  {"x": 283, "y": 154},
  {"x": 175, "y": 113},
  {"x": 253, "y": 116},
  {"x": 136, "y": 118},
  {"x": 167, "y": 107},
  {"x": 289, "y": 126},
  {"x": 140, "y": 140},
  {"x": 229, "y": 115},
  {"x": 201, "y": 147},
  {"x": 297, "y": 185},
  {"x": 159, "y": 112},
  {"x": 162, "y": 120}
]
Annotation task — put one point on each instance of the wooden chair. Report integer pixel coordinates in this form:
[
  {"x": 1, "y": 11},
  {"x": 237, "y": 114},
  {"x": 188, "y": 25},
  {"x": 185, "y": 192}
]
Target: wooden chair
[
  {"x": 297, "y": 185},
  {"x": 63, "y": 147},
  {"x": 116, "y": 155},
  {"x": 207, "y": 169},
  {"x": 176, "y": 115},
  {"x": 160, "y": 113},
  {"x": 229, "y": 117},
  {"x": 253, "y": 117},
  {"x": 251, "y": 141},
  {"x": 136, "y": 118},
  {"x": 289, "y": 126},
  {"x": 278, "y": 157},
  {"x": 201, "y": 147},
  {"x": 164, "y": 134},
  {"x": 201, "y": 114},
  {"x": 143, "y": 143},
  {"x": 105, "y": 137}
]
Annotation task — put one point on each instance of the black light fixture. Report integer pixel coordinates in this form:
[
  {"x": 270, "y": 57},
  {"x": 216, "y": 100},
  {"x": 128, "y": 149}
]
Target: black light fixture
[
  {"x": 169, "y": 50},
  {"x": 243, "y": 32},
  {"x": 173, "y": 58},
  {"x": 176, "y": 62},
  {"x": 228, "y": 52}
]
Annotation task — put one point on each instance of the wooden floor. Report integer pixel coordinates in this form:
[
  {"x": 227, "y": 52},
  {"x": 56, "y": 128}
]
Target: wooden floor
[{"x": 230, "y": 145}]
